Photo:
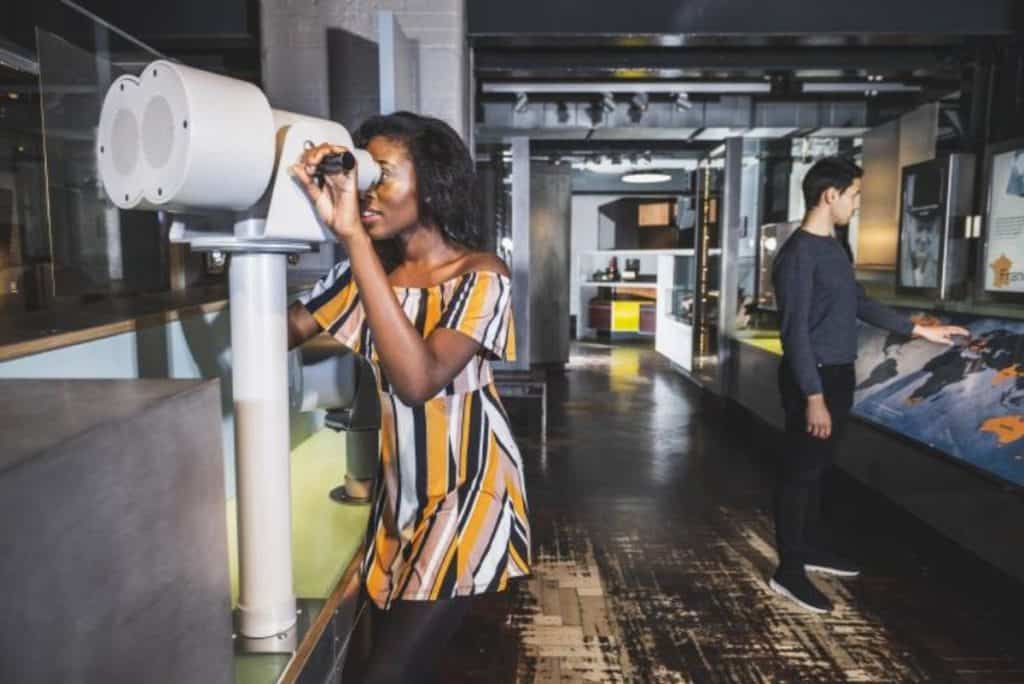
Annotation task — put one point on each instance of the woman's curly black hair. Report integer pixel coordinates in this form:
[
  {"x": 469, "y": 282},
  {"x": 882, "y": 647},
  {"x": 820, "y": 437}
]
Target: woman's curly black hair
[{"x": 445, "y": 173}]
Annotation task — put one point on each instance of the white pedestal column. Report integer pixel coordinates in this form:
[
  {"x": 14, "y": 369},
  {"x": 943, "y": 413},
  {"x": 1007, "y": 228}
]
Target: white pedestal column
[{"x": 259, "y": 342}]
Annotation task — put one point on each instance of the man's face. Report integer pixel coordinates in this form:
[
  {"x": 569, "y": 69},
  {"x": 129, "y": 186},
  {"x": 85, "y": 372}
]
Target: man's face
[
  {"x": 845, "y": 204},
  {"x": 922, "y": 244}
]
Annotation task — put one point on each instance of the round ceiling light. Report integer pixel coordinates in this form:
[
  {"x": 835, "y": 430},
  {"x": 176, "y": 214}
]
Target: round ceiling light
[{"x": 646, "y": 177}]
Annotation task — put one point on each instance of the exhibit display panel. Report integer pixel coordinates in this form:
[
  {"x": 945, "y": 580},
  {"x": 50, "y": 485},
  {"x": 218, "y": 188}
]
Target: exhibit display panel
[
  {"x": 1004, "y": 225},
  {"x": 966, "y": 401},
  {"x": 932, "y": 251},
  {"x": 920, "y": 245}
]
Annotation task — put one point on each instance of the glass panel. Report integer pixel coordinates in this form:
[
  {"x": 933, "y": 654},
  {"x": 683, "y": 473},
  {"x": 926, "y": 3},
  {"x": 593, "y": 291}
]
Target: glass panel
[
  {"x": 24, "y": 242},
  {"x": 679, "y": 300},
  {"x": 69, "y": 259},
  {"x": 96, "y": 249}
]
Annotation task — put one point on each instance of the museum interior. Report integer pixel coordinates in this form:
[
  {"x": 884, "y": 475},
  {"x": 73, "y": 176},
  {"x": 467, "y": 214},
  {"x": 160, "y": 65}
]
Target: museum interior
[{"x": 191, "y": 494}]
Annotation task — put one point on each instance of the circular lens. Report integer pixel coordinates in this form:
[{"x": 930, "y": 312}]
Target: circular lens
[{"x": 158, "y": 132}]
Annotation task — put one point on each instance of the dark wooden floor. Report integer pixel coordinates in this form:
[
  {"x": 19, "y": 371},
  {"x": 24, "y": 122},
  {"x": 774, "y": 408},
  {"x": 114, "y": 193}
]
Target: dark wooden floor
[{"x": 653, "y": 541}]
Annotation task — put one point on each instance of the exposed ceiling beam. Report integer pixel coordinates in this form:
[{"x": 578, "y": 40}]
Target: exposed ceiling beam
[{"x": 515, "y": 87}]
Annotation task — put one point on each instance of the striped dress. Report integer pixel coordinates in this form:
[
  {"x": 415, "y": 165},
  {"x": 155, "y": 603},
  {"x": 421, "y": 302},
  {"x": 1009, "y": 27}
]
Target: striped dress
[{"x": 451, "y": 517}]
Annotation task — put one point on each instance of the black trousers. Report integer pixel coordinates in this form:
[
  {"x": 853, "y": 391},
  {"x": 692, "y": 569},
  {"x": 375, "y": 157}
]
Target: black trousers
[
  {"x": 402, "y": 644},
  {"x": 803, "y": 463}
]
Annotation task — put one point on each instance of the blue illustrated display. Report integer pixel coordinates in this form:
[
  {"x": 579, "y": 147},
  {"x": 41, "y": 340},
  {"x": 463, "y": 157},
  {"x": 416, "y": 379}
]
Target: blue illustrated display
[{"x": 966, "y": 400}]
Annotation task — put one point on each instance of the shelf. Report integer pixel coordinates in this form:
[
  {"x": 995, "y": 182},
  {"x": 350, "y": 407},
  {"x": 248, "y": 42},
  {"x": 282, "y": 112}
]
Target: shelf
[{"x": 620, "y": 283}]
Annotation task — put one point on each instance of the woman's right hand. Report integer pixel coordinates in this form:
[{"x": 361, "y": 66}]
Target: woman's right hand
[
  {"x": 819, "y": 420},
  {"x": 337, "y": 203}
]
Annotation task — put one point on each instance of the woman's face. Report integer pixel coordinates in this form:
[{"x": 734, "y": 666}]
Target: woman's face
[{"x": 392, "y": 206}]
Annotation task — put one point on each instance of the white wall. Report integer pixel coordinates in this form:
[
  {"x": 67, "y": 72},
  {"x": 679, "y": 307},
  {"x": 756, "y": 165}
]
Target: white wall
[{"x": 583, "y": 237}]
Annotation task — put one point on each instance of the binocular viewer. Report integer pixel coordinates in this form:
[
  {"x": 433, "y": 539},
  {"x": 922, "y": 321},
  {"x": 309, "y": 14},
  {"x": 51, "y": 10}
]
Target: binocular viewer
[
  {"x": 211, "y": 151},
  {"x": 187, "y": 141}
]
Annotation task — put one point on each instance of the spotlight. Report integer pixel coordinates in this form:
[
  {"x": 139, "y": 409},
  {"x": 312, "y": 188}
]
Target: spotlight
[
  {"x": 648, "y": 157},
  {"x": 608, "y": 103},
  {"x": 562, "y": 112},
  {"x": 682, "y": 102},
  {"x": 522, "y": 102},
  {"x": 637, "y": 107}
]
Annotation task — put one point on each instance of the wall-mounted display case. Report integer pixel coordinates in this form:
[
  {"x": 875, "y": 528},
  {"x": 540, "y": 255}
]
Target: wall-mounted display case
[
  {"x": 1003, "y": 265},
  {"x": 677, "y": 287},
  {"x": 932, "y": 253},
  {"x": 679, "y": 299}
]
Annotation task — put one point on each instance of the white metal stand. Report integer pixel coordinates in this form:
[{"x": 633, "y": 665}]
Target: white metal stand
[{"x": 259, "y": 343}]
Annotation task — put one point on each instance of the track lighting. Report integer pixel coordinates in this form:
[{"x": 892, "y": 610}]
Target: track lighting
[
  {"x": 562, "y": 112},
  {"x": 607, "y": 103}
]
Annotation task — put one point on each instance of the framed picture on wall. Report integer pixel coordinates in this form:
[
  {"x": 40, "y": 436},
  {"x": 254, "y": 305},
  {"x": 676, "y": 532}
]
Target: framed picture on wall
[
  {"x": 922, "y": 234},
  {"x": 1003, "y": 267}
]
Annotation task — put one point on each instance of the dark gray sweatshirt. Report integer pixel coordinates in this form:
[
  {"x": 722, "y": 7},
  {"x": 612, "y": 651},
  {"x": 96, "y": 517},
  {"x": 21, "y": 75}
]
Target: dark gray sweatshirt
[{"x": 819, "y": 303}]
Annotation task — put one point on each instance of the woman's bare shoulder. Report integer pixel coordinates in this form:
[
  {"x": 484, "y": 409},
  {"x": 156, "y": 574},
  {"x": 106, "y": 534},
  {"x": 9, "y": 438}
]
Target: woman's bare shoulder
[{"x": 485, "y": 261}]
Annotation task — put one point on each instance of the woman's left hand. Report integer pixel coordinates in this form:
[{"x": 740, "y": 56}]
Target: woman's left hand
[
  {"x": 940, "y": 334},
  {"x": 337, "y": 203}
]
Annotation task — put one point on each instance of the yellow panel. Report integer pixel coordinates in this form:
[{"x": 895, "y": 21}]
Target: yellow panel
[
  {"x": 625, "y": 316},
  {"x": 769, "y": 344}
]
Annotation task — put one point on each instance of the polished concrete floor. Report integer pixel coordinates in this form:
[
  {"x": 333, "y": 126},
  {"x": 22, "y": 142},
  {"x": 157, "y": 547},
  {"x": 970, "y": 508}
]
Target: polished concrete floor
[{"x": 653, "y": 541}]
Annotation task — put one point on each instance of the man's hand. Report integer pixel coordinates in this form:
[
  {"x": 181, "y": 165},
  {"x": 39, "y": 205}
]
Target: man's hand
[
  {"x": 819, "y": 421},
  {"x": 939, "y": 334}
]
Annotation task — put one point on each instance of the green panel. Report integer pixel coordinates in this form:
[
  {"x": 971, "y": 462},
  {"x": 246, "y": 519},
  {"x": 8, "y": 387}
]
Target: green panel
[
  {"x": 325, "y": 534},
  {"x": 260, "y": 669}
]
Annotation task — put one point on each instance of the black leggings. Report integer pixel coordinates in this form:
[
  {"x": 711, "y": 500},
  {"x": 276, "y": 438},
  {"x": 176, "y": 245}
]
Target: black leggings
[{"x": 402, "y": 644}]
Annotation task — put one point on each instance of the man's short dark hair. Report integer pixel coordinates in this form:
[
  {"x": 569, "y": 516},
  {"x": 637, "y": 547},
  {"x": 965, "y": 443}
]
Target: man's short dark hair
[{"x": 830, "y": 172}]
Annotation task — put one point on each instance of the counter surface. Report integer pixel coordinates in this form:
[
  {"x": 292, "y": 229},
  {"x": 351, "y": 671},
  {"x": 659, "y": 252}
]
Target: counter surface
[
  {"x": 74, "y": 322},
  {"x": 37, "y": 415}
]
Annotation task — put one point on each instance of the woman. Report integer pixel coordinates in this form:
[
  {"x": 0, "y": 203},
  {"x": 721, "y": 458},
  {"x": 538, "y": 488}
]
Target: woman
[{"x": 449, "y": 518}]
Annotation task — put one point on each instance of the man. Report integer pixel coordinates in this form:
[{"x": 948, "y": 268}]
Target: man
[{"x": 819, "y": 303}]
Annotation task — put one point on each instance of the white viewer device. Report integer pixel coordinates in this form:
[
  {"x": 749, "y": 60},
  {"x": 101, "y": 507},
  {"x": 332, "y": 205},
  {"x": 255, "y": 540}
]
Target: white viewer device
[{"x": 189, "y": 142}]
